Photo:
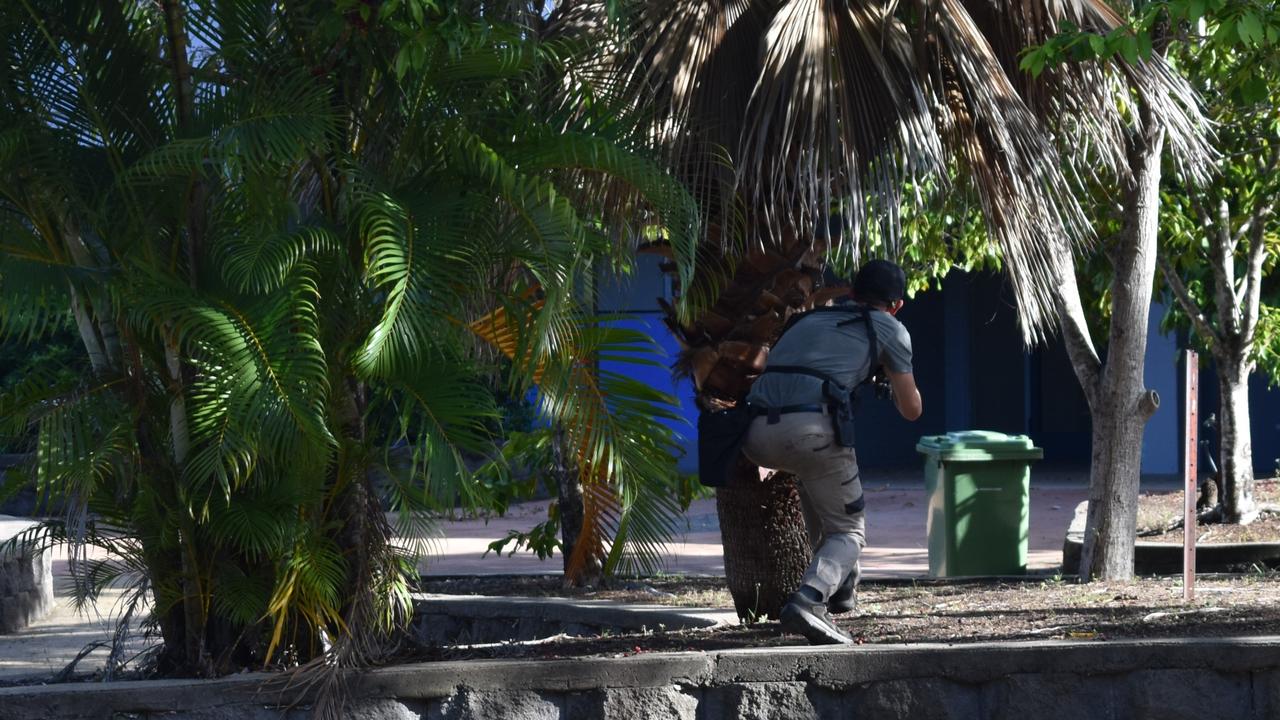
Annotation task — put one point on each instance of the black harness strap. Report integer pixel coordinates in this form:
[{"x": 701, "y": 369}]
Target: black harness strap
[
  {"x": 873, "y": 342},
  {"x": 860, "y": 313},
  {"x": 840, "y": 400}
]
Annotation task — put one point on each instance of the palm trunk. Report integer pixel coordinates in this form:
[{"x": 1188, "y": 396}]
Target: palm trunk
[
  {"x": 1235, "y": 451},
  {"x": 761, "y": 524},
  {"x": 766, "y": 548},
  {"x": 571, "y": 507},
  {"x": 357, "y": 509},
  {"x": 1118, "y": 402},
  {"x": 88, "y": 333}
]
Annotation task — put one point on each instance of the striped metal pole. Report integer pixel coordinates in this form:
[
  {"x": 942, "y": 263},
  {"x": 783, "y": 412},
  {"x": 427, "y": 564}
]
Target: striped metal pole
[{"x": 1192, "y": 424}]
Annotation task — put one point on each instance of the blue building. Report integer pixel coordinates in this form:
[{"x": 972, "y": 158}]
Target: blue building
[{"x": 974, "y": 373}]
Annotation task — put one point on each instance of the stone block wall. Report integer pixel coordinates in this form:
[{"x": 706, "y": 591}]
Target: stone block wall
[
  {"x": 26, "y": 587},
  {"x": 1225, "y": 679}
]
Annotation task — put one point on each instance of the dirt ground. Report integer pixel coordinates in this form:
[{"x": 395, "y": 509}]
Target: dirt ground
[
  {"x": 937, "y": 611},
  {"x": 1160, "y": 519},
  {"x": 920, "y": 611},
  {"x": 1046, "y": 607}
]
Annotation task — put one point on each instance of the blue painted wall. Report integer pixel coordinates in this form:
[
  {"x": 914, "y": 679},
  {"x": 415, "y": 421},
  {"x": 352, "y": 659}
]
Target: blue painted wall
[
  {"x": 1264, "y": 417},
  {"x": 1161, "y": 444},
  {"x": 636, "y": 296}
]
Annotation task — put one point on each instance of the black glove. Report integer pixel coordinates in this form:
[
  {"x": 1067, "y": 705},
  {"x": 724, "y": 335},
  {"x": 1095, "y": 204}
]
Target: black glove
[{"x": 884, "y": 390}]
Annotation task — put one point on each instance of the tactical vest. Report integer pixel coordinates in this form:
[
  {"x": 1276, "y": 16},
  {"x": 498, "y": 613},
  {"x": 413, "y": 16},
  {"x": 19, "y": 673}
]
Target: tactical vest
[{"x": 840, "y": 399}]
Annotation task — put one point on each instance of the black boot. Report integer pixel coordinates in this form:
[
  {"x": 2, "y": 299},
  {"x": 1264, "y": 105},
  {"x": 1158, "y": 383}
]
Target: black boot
[
  {"x": 806, "y": 614},
  {"x": 845, "y": 598}
]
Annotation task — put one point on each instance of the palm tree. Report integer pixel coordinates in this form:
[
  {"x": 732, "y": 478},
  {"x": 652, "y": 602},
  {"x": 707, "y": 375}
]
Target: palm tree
[
  {"x": 780, "y": 115},
  {"x": 283, "y": 243}
]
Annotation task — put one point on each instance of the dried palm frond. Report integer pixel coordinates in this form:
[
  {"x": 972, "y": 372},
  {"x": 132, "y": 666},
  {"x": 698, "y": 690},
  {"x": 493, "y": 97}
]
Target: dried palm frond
[{"x": 832, "y": 106}]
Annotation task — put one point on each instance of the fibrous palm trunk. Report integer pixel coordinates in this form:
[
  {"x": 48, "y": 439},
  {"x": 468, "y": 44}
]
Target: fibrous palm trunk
[
  {"x": 572, "y": 509},
  {"x": 766, "y": 549}
]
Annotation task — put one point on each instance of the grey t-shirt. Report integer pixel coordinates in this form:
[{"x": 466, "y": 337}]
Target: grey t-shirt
[{"x": 820, "y": 342}]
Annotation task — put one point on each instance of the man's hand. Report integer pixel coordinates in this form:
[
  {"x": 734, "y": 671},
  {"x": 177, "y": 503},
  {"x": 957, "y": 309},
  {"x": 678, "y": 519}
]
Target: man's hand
[{"x": 906, "y": 396}]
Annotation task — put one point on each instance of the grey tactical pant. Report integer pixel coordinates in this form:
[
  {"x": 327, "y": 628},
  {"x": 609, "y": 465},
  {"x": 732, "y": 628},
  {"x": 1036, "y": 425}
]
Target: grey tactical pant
[{"x": 804, "y": 444}]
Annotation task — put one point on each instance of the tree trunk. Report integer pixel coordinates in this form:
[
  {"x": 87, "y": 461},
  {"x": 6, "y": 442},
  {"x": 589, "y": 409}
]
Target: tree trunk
[
  {"x": 88, "y": 333},
  {"x": 724, "y": 350},
  {"x": 1118, "y": 402},
  {"x": 766, "y": 550},
  {"x": 1114, "y": 474},
  {"x": 1235, "y": 450},
  {"x": 570, "y": 503}
]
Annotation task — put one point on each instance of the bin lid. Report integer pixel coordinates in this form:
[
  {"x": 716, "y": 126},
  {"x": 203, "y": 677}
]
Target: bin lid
[{"x": 979, "y": 445}]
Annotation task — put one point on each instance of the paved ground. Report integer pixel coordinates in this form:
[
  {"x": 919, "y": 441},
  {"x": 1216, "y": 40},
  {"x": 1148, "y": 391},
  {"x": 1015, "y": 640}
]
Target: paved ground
[
  {"x": 897, "y": 547},
  {"x": 897, "y": 544}
]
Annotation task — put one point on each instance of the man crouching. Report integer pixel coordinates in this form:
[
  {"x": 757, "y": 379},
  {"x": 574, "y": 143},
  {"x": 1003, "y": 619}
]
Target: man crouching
[{"x": 804, "y": 403}]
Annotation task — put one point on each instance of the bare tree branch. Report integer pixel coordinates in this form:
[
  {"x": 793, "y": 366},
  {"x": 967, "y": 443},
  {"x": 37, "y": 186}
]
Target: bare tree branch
[
  {"x": 1252, "y": 300},
  {"x": 1188, "y": 304},
  {"x": 1257, "y": 254},
  {"x": 1222, "y": 261},
  {"x": 1075, "y": 330}
]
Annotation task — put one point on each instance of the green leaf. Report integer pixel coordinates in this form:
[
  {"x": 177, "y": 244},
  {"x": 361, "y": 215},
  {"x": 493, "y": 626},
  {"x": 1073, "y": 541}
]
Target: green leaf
[
  {"x": 1196, "y": 10},
  {"x": 1254, "y": 89},
  {"x": 1226, "y": 30},
  {"x": 1250, "y": 29},
  {"x": 1033, "y": 61},
  {"x": 1129, "y": 49},
  {"x": 402, "y": 62},
  {"x": 1099, "y": 46},
  {"x": 1145, "y": 45}
]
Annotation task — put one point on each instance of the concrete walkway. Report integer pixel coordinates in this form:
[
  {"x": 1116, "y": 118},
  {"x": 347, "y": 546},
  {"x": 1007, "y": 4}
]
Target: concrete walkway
[
  {"x": 897, "y": 541},
  {"x": 897, "y": 547}
]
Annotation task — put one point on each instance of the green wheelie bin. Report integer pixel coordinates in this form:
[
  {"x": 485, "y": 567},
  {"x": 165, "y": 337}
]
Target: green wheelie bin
[{"x": 978, "y": 485}]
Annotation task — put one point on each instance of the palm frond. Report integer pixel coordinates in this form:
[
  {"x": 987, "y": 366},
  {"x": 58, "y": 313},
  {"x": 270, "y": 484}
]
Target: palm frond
[
  {"x": 832, "y": 107},
  {"x": 445, "y": 413},
  {"x": 309, "y": 585},
  {"x": 402, "y": 259},
  {"x": 264, "y": 383},
  {"x": 613, "y": 424},
  {"x": 263, "y": 263},
  {"x": 242, "y": 597},
  {"x": 34, "y": 288},
  {"x": 661, "y": 203}
]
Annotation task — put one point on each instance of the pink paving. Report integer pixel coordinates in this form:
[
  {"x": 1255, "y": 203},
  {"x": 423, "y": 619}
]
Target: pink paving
[{"x": 897, "y": 544}]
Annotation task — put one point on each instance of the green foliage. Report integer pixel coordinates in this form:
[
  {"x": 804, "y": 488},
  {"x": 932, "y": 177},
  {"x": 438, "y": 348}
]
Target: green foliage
[
  {"x": 542, "y": 539},
  {"x": 58, "y": 357},
  {"x": 1211, "y": 236},
  {"x": 1228, "y": 51},
  {"x": 1076, "y": 45},
  {"x": 274, "y": 275},
  {"x": 946, "y": 231},
  {"x": 1213, "y": 25}
]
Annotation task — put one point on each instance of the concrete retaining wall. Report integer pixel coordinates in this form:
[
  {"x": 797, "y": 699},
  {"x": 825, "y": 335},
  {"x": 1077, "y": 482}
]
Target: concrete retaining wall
[
  {"x": 470, "y": 619},
  {"x": 26, "y": 581},
  {"x": 1170, "y": 680},
  {"x": 1152, "y": 558}
]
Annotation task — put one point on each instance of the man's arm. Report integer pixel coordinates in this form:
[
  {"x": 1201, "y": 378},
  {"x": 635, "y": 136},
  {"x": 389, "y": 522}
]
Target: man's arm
[{"x": 906, "y": 396}]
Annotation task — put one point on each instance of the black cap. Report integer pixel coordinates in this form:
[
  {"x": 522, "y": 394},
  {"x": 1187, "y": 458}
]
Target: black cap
[{"x": 879, "y": 281}]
